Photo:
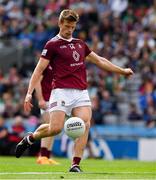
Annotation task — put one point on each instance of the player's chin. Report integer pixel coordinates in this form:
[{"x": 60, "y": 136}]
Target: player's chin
[{"x": 68, "y": 35}]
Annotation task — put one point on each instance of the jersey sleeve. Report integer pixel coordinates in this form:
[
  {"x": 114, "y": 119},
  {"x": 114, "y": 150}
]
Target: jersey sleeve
[
  {"x": 87, "y": 50},
  {"x": 48, "y": 51}
]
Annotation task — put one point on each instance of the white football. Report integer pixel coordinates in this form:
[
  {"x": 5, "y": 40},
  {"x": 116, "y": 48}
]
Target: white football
[{"x": 74, "y": 127}]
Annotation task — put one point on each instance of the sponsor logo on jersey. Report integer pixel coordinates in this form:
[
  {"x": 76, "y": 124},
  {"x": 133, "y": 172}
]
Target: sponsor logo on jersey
[
  {"x": 44, "y": 52},
  {"x": 63, "y": 47},
  {"x": 76, "y": 64}
]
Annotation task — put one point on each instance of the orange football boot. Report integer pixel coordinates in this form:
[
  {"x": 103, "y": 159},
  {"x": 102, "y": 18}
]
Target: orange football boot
[
  {"x": 53, "y": 162},
  {"x": 43, "y": 160}
]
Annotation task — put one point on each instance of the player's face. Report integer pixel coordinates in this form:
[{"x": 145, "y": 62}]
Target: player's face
[{"x": 67, "y": 28}]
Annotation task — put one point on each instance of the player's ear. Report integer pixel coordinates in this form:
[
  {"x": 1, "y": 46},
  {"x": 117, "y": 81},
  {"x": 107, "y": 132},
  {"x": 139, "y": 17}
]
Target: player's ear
[{"x": 60, "y": 23}]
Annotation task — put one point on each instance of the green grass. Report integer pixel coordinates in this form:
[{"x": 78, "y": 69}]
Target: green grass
[{"x": 26, "y": 168}]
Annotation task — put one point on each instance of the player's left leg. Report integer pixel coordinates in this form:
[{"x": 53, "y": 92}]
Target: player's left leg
[
  {"x": 85, "y": 114},
  {"x": 46, "y": 144}
]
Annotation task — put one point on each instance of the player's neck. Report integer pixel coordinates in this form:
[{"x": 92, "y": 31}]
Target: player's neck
[{"x": 70, "y": 39}]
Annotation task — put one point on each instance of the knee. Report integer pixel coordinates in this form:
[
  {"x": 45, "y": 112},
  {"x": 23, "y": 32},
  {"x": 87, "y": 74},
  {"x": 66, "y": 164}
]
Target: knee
[{"x": 87, "y": 124}]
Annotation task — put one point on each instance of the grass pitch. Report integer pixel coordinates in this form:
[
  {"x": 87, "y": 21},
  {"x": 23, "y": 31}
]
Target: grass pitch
[{"x": 26, "y": 168}]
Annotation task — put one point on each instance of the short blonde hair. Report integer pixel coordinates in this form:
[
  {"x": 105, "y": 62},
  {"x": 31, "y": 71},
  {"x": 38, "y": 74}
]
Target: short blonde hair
[{"x": 69, "y": 15}]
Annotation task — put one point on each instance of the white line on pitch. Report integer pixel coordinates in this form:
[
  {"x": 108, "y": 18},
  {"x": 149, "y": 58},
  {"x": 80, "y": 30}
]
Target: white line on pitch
[{"x": 6, "y": 173}]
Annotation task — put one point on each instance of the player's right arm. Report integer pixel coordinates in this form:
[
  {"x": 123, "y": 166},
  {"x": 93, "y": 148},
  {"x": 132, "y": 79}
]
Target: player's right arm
[{"x": 35, "y": 78}]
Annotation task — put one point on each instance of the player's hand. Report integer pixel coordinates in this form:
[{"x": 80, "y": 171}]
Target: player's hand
[
  {"x": 27, "y": 103},
  {"x": 42, "y": 104},
  {"x": 128, "y": 72}
]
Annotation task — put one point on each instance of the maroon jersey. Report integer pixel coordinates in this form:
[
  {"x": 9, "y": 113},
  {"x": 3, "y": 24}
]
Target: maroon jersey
[
  {"x": 46, "y": 83},
  {"x": 67, "y": 60}
]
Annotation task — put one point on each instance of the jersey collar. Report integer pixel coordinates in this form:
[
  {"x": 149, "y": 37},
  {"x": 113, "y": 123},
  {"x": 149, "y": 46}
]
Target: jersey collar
[{"x": 60, "y": 37}]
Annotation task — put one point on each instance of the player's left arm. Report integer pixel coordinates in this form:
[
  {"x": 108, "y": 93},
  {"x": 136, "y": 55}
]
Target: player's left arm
[{"x": 107, "y": 65}]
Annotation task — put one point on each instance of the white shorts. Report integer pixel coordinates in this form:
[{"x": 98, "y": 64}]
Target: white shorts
[
  {"x": 67, "y": 99},
  {"x": 42, "y": 111}
]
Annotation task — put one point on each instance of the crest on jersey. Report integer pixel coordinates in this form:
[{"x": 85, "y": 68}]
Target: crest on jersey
[{"x": 76, "y": 56}]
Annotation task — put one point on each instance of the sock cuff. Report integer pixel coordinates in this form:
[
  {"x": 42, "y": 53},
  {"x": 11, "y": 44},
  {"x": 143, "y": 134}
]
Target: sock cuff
[
  {"x": 44, "y": 152},
  {"x": 76, "y": 161},
  {"x": 28, "y": 139}
]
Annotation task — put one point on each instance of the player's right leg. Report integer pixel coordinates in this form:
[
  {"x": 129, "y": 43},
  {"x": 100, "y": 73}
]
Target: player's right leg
[
  {"x": 84, "y": 113},
  {"x": 45, "y": 130}
]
